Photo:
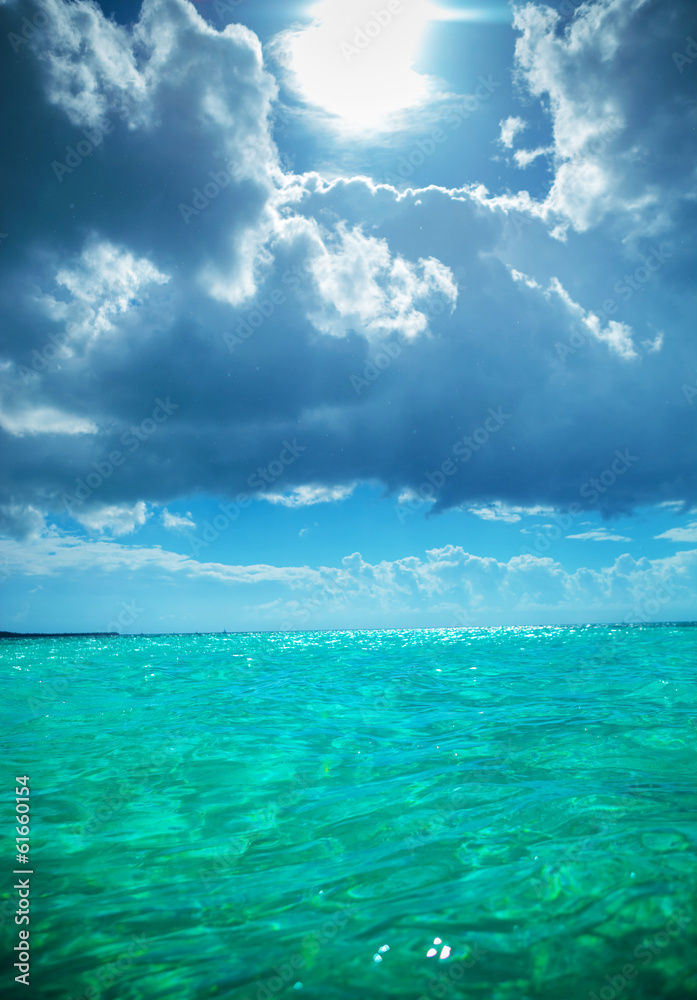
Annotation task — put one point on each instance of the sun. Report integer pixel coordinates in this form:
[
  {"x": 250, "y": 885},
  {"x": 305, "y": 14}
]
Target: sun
[{"x": 355, "y": 61}]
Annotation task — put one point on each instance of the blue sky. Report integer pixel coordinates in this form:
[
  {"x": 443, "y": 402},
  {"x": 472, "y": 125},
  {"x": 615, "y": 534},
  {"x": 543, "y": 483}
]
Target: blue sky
[{"x": 347, "y": 315}]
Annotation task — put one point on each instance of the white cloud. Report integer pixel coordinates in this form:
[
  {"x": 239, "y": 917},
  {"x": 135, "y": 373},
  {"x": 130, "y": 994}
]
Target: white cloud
[
  {"x": 308, "y": 495},
  {"x": 510, "y": 128},
  {"x": 599, "y": 535},
  {"x": 617, "y": 336},
  {"x": 104, "y": 282},
  {"x": 688, "y": 534},
  {"x": 349, "y": 281},
  {"x": 652, "y": 346},
  {"x": 95, "y": 67},
  {"x": 116, "y": 519},
  {"x": 362, "y": 286},
  {"x": 411, "y": 496},
  {"x": 90, "y": 65},
  {"x": 54, "y": 554},
  {"x": 177, "y": 522},
  {"x": 44, "y": 420},
  {"x": 628, "y": 589},
  {"x": 607, "y": 155},
  {"x": 498, "y": 511},
  {"x": 524, "y": 157}
]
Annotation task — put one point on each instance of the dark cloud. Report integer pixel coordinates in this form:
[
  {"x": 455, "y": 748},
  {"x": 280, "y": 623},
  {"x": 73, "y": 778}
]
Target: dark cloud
[{"x": 144, "y": 306}]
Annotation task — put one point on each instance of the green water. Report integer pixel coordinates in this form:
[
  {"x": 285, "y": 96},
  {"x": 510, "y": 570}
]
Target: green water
[{"x": 258, "y": 815}]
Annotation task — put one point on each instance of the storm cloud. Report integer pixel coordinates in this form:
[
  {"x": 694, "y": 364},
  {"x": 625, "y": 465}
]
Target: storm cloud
[{"x": 177, "y": 303}]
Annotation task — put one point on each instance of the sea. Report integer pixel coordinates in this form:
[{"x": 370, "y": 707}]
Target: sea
[{"x": 485, "y": 813}]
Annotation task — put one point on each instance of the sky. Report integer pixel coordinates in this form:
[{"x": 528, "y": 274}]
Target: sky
[{"x": 347, "y": 315}]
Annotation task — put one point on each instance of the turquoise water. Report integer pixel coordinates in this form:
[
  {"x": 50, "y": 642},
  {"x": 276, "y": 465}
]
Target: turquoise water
[{"x": 493, "y": 813}]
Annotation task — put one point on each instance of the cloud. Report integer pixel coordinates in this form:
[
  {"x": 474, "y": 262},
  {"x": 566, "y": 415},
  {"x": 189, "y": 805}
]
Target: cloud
[
  {"x": 55, "y": 553},
  {"x": 44, "y": 420},
  {"x": 611, "y": 121},
  {"x": 482, "y": 587},
  {"x": 410, "y": 496},
  {"x": 308, "y": 495},
  {"x": 651, "y": 346},
  {"x": 113, "y": 296},
  {"x": 177, "y": 522},
  {"x": 362, "y": 287},
  {"x": 618, "y": 336},
  {"x": 117, "y": 520},
  {"x": 17, "y": 521},
  {"x": 498, "y": 511},
  {"x": 687, "y": 534},
  {"x": 599, "y": 535},
  {"x": 524, "y": 157},
  {"x": 510, "y": 128},
  {"x": 104, "y": 281}
]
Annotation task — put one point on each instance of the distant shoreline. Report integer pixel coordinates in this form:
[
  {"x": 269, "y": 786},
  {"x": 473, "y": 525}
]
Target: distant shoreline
[
  {"x": 691, "y": 623},
  {"x": 56, "y": 635}
]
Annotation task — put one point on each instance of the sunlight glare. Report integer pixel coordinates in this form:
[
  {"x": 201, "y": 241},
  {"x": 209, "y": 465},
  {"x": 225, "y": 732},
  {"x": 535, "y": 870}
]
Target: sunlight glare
[{"x": 356, "y": 59}]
